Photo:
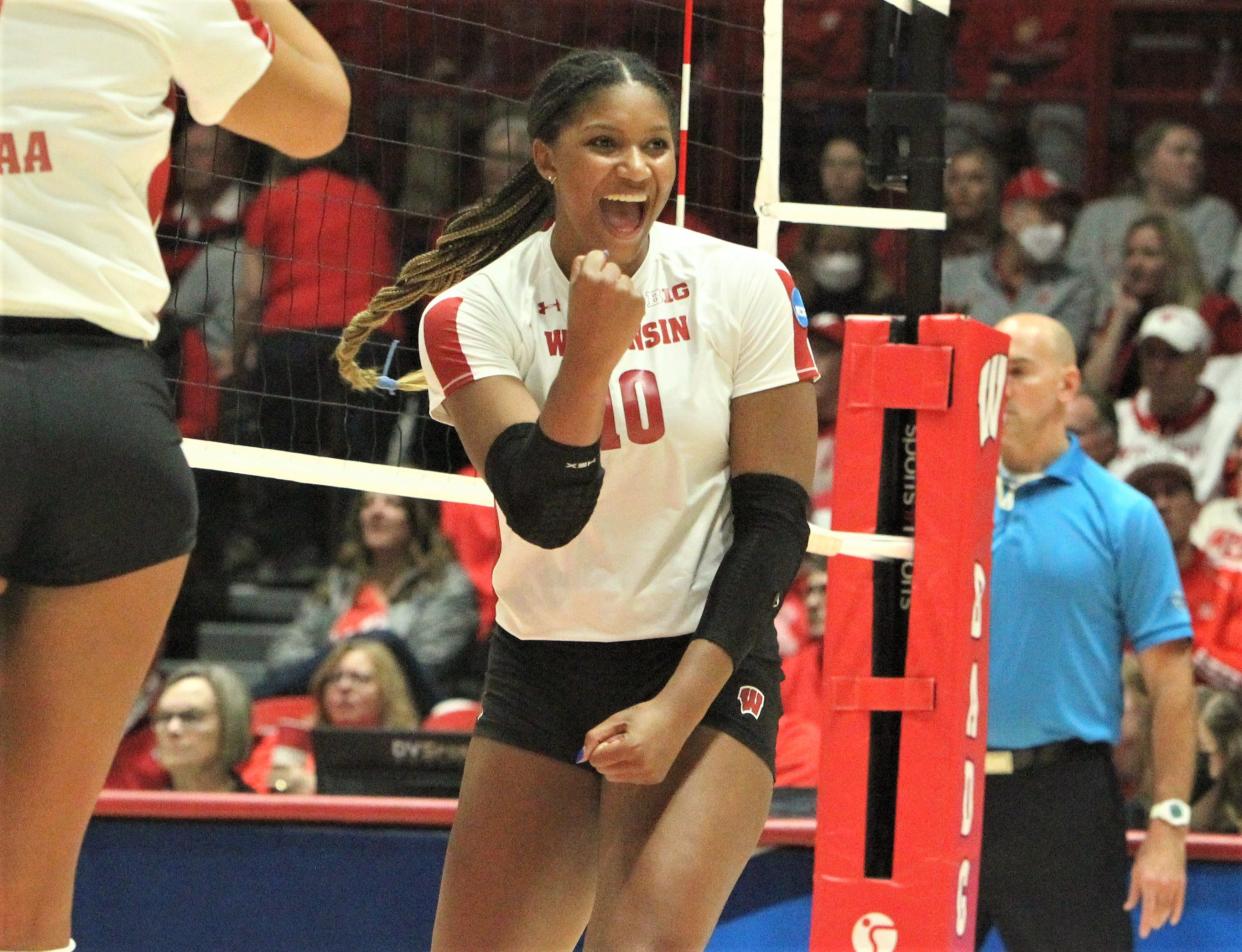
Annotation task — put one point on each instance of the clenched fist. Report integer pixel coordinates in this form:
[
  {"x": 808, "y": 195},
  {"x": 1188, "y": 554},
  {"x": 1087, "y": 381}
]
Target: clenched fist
[{"x": 605, "y": 312}]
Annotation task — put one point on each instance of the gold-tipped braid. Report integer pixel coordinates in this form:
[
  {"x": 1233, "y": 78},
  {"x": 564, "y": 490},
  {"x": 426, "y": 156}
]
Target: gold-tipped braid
[{"x": 475, "y": 237}]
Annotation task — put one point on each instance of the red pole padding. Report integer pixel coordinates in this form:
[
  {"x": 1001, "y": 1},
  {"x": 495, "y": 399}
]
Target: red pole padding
[{"x": 954, "y": 380}]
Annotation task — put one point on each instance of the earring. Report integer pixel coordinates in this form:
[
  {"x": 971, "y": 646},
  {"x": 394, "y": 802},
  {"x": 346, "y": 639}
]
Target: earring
[{"x": 552, "y": 180}]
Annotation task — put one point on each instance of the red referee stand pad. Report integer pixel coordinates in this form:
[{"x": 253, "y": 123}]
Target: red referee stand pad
[{"x": 954, "y": 381}]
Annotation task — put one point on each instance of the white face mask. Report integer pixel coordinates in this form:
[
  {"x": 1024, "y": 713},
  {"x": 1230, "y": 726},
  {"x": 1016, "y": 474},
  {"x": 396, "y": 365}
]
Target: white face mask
[
  {"x": 837, "y": 271},
  {"x": 1043, "y": 243}
]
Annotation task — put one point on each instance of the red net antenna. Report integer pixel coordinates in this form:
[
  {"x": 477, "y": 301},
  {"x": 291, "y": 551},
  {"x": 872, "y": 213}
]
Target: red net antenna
[{"x": 687, "y": 37}]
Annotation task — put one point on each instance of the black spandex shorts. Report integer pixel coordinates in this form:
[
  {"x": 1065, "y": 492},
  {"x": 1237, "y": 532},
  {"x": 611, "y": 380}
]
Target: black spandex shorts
[
  {"x": 93, "y": 483},
  {"x": 544, "y": 696}
]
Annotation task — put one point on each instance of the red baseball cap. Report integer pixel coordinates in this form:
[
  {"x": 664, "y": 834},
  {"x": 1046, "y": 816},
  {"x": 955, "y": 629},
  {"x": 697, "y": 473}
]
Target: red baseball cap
[{"x": 1035, "y": 184}]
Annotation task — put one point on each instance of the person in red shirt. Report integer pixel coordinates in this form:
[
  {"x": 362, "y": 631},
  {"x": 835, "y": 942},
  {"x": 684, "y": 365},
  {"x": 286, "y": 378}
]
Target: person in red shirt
[
  {"x": 474, "y": 533},
  {"x": 1213, "y": 594},
  {"x": 1030, "y": 45},
  {"x": 395, "y": 576},
  {"x": 322, "y": 241}
]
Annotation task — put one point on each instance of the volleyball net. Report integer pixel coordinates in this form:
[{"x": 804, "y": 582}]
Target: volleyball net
[
  {"x": 438, "y": 88},
  {"x": 437, "y": 122}
]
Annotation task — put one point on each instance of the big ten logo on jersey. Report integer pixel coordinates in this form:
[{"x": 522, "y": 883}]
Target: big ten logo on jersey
[
  {"x": 661, "y": 329},
  {"x": 678, "y": 292},
  {"x": 21, "y": 153},
  {"x": 991, "y": 393}
]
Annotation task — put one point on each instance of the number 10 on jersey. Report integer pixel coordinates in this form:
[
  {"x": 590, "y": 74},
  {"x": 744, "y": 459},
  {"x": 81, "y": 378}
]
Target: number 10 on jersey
[{"x": 641, "y": 412}]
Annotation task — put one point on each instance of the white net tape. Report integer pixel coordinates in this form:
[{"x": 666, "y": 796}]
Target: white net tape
[{"x": 423, "y": 484}]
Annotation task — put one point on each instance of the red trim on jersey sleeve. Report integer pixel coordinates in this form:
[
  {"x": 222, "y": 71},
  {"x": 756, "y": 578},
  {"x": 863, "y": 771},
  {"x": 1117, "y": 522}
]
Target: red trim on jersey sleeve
[
  {"x": 444, "y": 348},
  {"x": 261, "y": 29},
  {"x": 804, "y": 359}
]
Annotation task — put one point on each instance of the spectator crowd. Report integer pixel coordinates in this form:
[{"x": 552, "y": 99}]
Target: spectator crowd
[{"x": 269, "y": 259}]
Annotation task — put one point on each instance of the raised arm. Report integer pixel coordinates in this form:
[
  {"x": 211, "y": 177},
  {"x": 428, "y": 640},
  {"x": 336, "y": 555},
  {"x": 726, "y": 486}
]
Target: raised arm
[
  {"x": 300, "y": 105},
  {"x": 544, "y": 466},
  {"x": 1106, "y": 343}
]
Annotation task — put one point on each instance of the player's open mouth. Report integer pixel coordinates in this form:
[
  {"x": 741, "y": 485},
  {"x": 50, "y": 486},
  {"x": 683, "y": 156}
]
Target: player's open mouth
[{"x": 623, "y": 214}]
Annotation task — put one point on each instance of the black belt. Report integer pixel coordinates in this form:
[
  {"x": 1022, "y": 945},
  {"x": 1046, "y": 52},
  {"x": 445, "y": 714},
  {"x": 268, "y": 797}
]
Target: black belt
[
  {"x": 1012, "y": 761},
  {"x": 75, "y": 326}
]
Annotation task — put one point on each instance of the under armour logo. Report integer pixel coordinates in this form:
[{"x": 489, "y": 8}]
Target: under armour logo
[{"x": 544, "y": 306}]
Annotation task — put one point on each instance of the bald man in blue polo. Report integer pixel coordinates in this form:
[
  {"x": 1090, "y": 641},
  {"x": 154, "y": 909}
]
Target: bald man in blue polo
[{"x": 1081, "y": 567}]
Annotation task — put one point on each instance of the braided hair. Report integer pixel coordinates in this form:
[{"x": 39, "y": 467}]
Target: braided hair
[{"x": 482, "y": 232}]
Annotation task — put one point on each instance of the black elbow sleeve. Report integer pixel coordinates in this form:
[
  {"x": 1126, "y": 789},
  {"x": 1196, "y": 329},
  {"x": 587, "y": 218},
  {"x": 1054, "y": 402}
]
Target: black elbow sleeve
[
  {"x": 770, "y": 534},
  {"x": 546, "y": 490}
]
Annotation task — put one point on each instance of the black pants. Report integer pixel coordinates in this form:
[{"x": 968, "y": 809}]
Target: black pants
[
  {"x": 306, "y": 408},
  {"x": 1054, "y": 872}
]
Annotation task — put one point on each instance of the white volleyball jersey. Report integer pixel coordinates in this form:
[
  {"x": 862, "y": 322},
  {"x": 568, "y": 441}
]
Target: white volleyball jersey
[
  {"x": 85, "y": 120},
  {"x": 722, "y": 321},
  {"x": 1204, "y": 438}
]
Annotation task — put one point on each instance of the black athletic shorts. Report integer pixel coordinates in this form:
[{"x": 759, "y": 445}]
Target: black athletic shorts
[
  {"x": 544, "y": 696},
  {"x": 93, "y": 483}
]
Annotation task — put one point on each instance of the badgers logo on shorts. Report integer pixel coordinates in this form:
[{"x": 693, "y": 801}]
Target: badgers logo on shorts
[
  {"x": 750, "y": 699},
  {"x": 991, "y": 392}
]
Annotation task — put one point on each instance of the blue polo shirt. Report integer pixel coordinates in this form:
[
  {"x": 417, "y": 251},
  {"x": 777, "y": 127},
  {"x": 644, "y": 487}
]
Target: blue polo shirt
[{"x": 1080, "y": 563}]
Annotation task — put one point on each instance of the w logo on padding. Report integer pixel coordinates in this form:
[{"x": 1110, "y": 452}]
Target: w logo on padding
[
  {"x": 750, "y": 699},
  {"x": 991, "y": 393}
]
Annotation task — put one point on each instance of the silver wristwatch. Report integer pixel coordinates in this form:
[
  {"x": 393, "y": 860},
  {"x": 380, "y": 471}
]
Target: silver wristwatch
[{"x": 1173, "y": 811}]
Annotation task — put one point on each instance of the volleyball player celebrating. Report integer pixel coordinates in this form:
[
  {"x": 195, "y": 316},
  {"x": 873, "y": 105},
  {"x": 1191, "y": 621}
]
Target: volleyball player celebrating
[
  {"x": 636, "y": 397},
  {"x": 97, "y": 508}
]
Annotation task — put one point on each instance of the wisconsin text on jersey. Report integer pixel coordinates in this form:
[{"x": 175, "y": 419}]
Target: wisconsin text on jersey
[
  {"x": 665, "y": 330},
  {"x": 33, "y": 158}
]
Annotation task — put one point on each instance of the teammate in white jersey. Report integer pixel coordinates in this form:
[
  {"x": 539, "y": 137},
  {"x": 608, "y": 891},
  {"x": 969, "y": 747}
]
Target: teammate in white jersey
[
  {"x": 638, "y": 399},
  {"x": 97, "y": 506}
]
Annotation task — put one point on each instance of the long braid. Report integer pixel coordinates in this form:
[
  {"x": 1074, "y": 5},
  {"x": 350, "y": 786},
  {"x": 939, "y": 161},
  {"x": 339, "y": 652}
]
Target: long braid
[
  {"x": 484, "y": 231},
  {"x": 476, "y": 236}
]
